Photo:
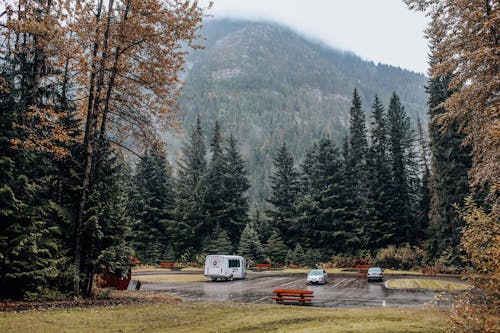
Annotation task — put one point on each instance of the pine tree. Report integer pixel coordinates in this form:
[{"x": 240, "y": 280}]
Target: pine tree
[
  {"x": 357, "y": 178},
  {"x": 219, "y": 242},
  {"x": 250, "y": 246},
  {"x": 448, "y": 183},
  {"x": 236, "y": 186},
  {"x": 284, "y": 185},
  {"x": 276, "y": 249},
  {"x": 298, "y": 256},
  {"x": 424, "y": 191},
  {"x": 151, "y": 207},
  {"x": 215, "y": 194},
  {"x": 382, "y": 233},
  {"x": 402, "y": 161},
  {"x": 33, "y": 259},
  {"x": 192, "y": 167},
  {"x": 326, "y": 220},
  {"x": 358, "y": 144},
  {"x": 106, "y": 226}
]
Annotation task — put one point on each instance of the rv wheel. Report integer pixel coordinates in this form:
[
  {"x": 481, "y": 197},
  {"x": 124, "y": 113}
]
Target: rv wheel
[{"x": 214, "y": 279}]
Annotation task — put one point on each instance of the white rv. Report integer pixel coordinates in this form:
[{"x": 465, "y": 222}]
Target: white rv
[{"x": 225, "y": 267}]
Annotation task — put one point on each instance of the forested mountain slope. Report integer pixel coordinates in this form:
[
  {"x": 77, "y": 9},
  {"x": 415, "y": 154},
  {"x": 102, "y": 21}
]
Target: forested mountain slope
[{"x": 267, "y": 84}]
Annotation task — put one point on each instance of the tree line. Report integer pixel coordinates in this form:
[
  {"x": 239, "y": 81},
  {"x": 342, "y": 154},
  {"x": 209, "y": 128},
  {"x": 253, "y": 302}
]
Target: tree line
[
  {"x": 79, "y": 81},
  {"x": 353, "y": 200}
]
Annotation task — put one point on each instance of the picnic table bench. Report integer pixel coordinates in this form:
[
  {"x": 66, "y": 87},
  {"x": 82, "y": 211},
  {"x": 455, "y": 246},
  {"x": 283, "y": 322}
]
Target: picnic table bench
[
  {"x": 261, "y": 267},
  {"x": 363, "y": 268},
  {"x": 172, "y": 265},
  {"x": 300, "y": 296}
]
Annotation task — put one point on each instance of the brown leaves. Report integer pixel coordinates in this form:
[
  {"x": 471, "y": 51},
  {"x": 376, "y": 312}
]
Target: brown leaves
[
  {"x": 467, "y": 45},
  {"x": 44, "y": 132},
  {"x": 137, "y": 63}
]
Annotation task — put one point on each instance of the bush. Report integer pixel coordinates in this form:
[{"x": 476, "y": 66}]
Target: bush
[
  {"x": 404, "y": 257},
  {"x": 44, "y": 294},
  {"x": 344, "y": 261}
]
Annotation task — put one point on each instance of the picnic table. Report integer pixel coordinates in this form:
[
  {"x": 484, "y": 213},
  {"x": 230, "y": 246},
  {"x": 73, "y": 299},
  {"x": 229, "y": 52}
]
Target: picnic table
[
  {"x": 261, "y": 267},
  {"x": 172, "y": 265},
  {"x": 292, "y": 295}
]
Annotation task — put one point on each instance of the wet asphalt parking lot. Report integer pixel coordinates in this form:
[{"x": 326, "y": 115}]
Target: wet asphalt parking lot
[{"x": 342, "y": 290}]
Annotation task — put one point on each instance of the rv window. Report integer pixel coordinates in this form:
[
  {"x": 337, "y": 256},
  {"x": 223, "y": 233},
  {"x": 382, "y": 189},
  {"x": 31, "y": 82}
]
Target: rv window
[{"x": 234, "y": 263}]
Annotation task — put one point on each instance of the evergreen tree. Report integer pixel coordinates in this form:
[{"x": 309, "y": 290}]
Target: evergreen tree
[
  {"x": 357, "y": 178},
  {"x": 276, "y": 249},
  {"x": 326, "y": 220},
  {"x": 151, "y": 207},
  {"x": 448, "y": 183},
  {"x": 382, "y": 232},
  {"x": 285, "y": 188},
  {"x": 298, "y": 256},
  {"x": 250, "y": 246},
  {"x": 424, "y": 191},
  {"x": 215, "y": 195},
  {"x": 33, "y": 252},
  {"x": 106, "y": 226},
  {"x": 192, "y": 166},
  {"x": 219, "y": 242},
  {"x": 236, "y": 186},
  {"x": 358, "y": 145},
  {"x": 402, "y": 162}
]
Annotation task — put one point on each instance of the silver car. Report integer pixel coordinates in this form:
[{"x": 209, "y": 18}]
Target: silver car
[
  {"x": 317, "y": 276},
  {"x": 375, "y": 274}
]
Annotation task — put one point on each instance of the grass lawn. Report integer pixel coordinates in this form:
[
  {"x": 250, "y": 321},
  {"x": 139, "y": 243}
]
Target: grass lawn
[
  {"x": 223, "y": 317},
  {"x": 429, "y": 284}
]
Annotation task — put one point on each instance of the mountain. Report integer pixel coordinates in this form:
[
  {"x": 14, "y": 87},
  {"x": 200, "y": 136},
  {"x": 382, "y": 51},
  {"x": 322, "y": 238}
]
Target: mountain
[{"x": 267, "y": 84}]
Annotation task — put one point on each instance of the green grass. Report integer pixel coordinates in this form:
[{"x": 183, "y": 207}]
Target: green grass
[
  {"x": 223, "y": 317},
  {"x": 429, "y": 284}
]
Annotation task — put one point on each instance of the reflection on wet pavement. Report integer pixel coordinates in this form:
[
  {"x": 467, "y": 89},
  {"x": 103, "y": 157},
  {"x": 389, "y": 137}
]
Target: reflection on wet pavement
[{"x": 342, "y": 290}]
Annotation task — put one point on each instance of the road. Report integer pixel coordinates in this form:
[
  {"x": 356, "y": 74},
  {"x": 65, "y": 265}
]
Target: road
[{"x": 342, "y": 290}]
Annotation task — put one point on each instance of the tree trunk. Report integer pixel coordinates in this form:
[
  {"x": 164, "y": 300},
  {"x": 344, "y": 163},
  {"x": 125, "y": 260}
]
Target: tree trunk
[{"x": 90, "y": 127}]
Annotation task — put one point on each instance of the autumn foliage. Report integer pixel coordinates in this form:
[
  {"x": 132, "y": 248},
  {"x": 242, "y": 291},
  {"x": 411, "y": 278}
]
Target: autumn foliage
[
  {"x": 466, "y": 46},
  {"x": 80, "y": 79}
]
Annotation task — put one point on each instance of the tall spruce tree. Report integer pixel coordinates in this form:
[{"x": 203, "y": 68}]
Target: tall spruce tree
[
  {"x": 402, "y": 161},
  {"x": 33, "y": 253},
  {"x": 151, "y": 207},
  {"x": 285, "y": 188},
  {"x": 219, "y": 242},
  {"x": 357, "y": 178},
  {"x": 106, "y": 226},
  {"x": 250, "y": 246},
  {"x": 192, "y": 166},
  {"x": 448, "y": 183},
  {"x": 326, "y": 220},
  {"x": 215, "y": 195},
  {"x": 424, "y": 190},
  {"x": 382, "y": 234},
  {"x": 276, "y": 249},
  {"x": 236, "y": 186}
]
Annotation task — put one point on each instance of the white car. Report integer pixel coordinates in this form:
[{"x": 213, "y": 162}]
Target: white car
[
  {"x": 317, "y": 276},
  {"x": 374, "y": 274}
]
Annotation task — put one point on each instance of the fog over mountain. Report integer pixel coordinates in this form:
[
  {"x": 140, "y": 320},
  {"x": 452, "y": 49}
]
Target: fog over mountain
[{"x": 267, "y": 85}]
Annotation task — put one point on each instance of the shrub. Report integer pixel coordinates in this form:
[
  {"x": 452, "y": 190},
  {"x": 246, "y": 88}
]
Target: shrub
[
  {"x": 344, "y": 261},
  {"x": 404, "y": 257}
]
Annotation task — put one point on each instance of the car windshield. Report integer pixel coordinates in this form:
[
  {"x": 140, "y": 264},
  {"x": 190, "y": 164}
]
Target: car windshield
[
  {"x": 316, "y": 272},
  {"x": 374, "y": 270}
]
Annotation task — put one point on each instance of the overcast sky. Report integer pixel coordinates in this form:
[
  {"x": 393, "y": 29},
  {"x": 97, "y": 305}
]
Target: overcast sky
[{"x": 384, "y": 31}]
